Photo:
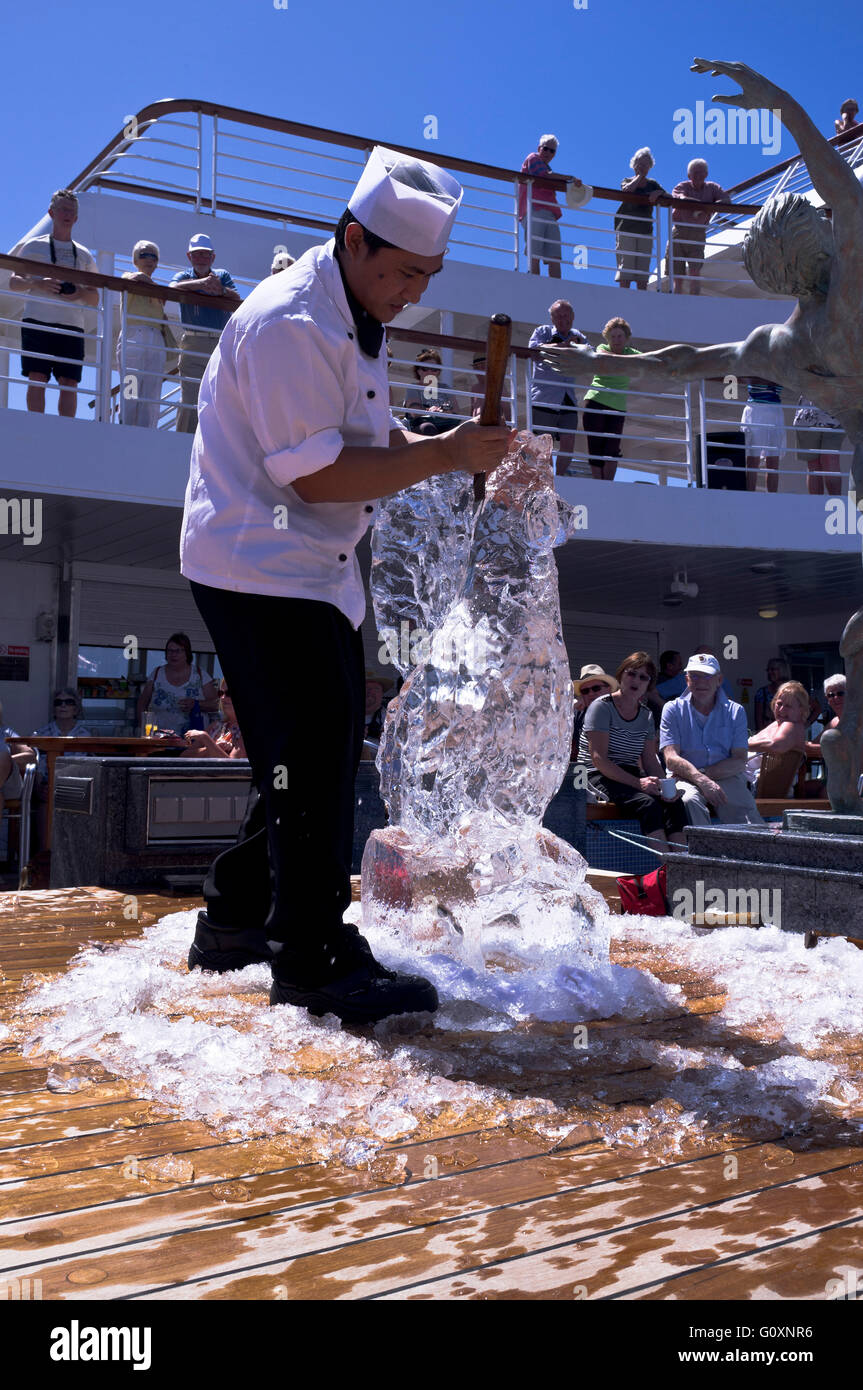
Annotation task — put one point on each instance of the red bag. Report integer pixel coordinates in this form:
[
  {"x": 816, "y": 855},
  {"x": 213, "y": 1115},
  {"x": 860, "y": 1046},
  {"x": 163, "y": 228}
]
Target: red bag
[{"x": 644, "y": 894}]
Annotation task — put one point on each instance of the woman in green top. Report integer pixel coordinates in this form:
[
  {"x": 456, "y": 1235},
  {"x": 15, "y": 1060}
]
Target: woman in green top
[{"x": 605, "y": 404}]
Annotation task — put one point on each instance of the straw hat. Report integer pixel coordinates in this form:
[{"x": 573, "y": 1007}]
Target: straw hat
[
  {"x": 383, "y": 681},
  {"x": 594, "y": 673}
]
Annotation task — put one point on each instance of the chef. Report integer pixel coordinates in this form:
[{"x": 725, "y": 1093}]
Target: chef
[{"x": 295, "y": 443}]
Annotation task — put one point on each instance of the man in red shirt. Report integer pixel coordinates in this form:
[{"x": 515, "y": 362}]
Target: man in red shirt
[{"x": 544, "y": 210}]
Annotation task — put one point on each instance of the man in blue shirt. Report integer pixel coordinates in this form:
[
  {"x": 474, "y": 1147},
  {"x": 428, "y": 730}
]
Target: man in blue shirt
[
  {"x": 553, "y": 398},
  {"x": 202, "y": 325},
  {"x": 705, "y": 740}
]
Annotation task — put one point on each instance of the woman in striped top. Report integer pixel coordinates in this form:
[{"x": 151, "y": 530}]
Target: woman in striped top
[{"x": 618, "y": 745}]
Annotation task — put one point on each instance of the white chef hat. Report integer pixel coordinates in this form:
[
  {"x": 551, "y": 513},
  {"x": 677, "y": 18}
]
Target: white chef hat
[{"x": 408, "y": 202}]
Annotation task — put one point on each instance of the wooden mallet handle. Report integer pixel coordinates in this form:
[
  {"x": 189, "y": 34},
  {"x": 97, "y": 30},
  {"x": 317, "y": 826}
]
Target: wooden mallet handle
[{"x": 496, "y": 362}]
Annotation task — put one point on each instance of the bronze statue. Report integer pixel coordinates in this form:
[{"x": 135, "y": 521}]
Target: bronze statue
[{"x": 792, "y": 249}]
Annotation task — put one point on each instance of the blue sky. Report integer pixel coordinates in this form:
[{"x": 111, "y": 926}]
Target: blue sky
[{"x": 606, "y": 78}]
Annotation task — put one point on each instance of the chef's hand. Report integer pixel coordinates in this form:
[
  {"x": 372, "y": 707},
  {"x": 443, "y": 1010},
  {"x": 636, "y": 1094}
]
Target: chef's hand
[{"x": 476, "y": 448}]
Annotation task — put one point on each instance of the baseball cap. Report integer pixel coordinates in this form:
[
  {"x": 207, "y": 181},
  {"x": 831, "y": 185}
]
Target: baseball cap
[
  {"x": 200, "y": 242},
  {"x": 706, "y": 664}
]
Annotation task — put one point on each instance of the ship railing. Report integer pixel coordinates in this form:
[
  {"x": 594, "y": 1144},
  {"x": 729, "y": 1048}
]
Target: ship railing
[
  {"x": 667, "y": 436},
  {"x": 219, "y": 160},
  {"x": 792, "y": 176},
  {"x": 784, "y": 458}
]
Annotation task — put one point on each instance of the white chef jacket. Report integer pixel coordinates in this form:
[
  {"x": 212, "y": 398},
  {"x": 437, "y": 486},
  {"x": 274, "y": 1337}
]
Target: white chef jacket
[{"x": 285, "y": 390}]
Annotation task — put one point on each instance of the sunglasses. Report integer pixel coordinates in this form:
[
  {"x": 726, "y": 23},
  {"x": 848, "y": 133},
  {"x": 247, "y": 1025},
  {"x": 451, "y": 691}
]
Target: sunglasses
[
  {"x": 641, "y": 676},
  {"x": 836, "y": 695},
  {"x": 593, "y": 689},
  {"x": 147, "y": 256},
  {"x": 65, "y": 702}
]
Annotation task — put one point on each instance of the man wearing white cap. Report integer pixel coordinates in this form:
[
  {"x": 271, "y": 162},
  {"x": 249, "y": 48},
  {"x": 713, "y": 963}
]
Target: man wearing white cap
[
  {"x": 295, "y": 444},
  {"x": 705, "y": 740},
  {"x": 202, "y": 325}
]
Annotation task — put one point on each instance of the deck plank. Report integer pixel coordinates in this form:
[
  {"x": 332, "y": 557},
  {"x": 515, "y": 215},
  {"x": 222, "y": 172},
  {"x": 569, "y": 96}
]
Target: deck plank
[{"x": 504, "y": 1219}]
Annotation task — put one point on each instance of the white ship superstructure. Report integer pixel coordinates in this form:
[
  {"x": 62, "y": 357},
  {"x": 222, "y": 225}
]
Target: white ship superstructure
[{"x": 90, "y": 508}]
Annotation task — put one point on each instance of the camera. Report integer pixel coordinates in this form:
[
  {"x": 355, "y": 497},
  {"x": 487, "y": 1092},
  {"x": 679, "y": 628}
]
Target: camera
[{"x": 67, "y": 287}]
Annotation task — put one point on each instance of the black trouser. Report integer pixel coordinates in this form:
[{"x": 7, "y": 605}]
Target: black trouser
[
  {"x": 289, "y": 870},
  {"x": 600, "y": 421}
]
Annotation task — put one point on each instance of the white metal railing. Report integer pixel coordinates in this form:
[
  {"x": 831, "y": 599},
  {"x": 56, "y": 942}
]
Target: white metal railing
[
  {"x": 221, "y": 160},
  {"x": 793, "y": 175},
  {"x": 731, "y": 453},
  {"x": 691, "y": 437}
]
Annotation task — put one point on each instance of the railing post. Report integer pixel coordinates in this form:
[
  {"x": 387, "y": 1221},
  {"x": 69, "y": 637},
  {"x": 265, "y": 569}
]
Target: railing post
[
  {"x": 690, "y": 441},
  {"x": 105, "y": 262},
  {"x": 104, "y": 395},
  {"x": 670, "y": 265},
  {"x": 517, "y": 257},
  {"x": 124, "y": 322},
  {"x": 658, "y": 229},
  {"x": 702, "y": 408},
  {"x": 528, "y": 227},
  {"x": 513, "y": 381},
  {"x": 214, "y": 161},
  {"x": 200, "y": 162}
]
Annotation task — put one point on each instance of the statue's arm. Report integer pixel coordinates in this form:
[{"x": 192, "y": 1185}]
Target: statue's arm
[
  {"x": 683, "y": 363},
  {"x": 830, "y": 175}
]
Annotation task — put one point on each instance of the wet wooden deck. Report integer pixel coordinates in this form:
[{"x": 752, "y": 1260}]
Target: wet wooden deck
[{"x": 508, "y": 1216}]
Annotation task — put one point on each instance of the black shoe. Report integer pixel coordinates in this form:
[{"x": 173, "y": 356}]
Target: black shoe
[
  {"x": 223, "y": 948},
  {"x": 346, "y": 980}
]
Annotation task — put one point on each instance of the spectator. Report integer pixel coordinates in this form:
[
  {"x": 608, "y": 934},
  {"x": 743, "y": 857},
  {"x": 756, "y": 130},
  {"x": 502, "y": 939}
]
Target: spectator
[
  {"x": 223, "y": 739},
  {"x": 592, "y": 683},
  {"x": 282, "y": 261},
  {"x": 434, "y": 412},
  {"x": 376, "y": 688},
  {"x": 706, "y": 742},
  {"x": 544, "y": 210},
  {"x": 847, "y": 116},
  {"x": 764, "y": 429},
  {"x": 52, "y": 344},
  {"x": 633, "y": 223},
  {"x": 834, "y": 694},
  {"x": 202, "y": 325},
  {"x": 778, "y": 671},
  {"x": 554, "y": 406},
  {"x": 818, "y": 439},
  {"x": 787, "y": 733},
  {"x": 173, "y": 690},
  {"x": 689, "y": 225},
  {"x": 603, "y": 422},
  {"x": 148, "y": 338},
  {"x": 67, "y": 713},
  {"x": 670, "y": 682},
  {"x": 618, "y": 745}
]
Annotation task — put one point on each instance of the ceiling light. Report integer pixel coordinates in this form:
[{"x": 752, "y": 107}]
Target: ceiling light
[{"x": 768, "y": 612}]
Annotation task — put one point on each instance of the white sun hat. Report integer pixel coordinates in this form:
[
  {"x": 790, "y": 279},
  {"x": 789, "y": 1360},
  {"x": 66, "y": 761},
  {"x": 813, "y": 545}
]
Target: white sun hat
[
  {"x": 578, "y": 194},
  {"x": 406, "y": 201}
]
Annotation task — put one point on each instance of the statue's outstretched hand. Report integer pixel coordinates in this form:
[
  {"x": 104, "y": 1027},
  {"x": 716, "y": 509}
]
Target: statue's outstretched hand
[
  {"x": 579, "y": 361},
  {"x": 757, "y": 92}
]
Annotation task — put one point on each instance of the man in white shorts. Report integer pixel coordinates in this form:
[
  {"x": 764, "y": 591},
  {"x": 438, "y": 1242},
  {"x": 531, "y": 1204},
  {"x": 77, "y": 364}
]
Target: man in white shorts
[{"x": 764, "y": 428}]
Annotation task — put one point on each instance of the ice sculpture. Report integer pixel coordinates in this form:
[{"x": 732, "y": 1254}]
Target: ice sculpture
[{"x": 477, "y": 742}]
